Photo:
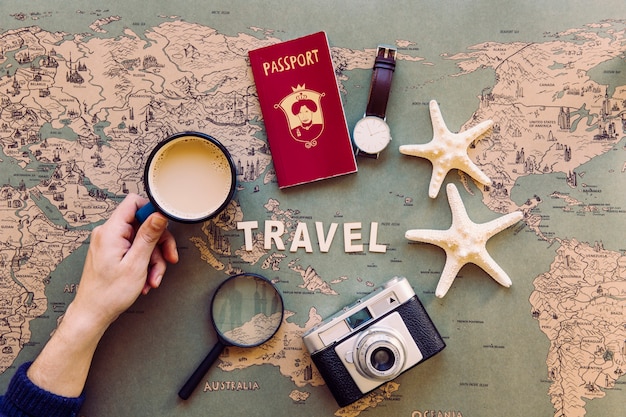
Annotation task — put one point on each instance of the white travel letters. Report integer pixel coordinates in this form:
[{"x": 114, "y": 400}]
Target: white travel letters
[{"x": 274, "y": 230}]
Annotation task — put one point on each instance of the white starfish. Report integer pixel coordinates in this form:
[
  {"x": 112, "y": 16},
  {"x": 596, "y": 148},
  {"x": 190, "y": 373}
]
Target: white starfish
[
  {"x": 465, "y": 242},
  {"x": 448, "y": 150}
]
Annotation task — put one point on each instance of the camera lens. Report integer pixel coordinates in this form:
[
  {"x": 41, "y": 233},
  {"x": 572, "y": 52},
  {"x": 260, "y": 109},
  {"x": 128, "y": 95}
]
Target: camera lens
[
  {"x": 383, "y": 359},
  {"x": 380, "y": 354}
]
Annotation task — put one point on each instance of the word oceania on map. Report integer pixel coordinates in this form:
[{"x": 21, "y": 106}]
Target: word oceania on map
[
  {"x": 274, "y": 231},
  {"x": 436, "y": 413}
]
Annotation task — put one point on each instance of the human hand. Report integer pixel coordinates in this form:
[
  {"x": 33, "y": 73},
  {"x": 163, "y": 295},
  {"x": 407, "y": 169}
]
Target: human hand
[{"x": 124, "y": 260}]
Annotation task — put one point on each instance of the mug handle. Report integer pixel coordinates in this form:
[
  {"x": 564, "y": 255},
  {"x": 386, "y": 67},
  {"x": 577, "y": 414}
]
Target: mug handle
[{"x": 143, "y": 213}]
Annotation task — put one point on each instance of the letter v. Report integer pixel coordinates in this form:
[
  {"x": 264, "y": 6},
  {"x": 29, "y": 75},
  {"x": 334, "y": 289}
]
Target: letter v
[{"x": 325, "y": 242}]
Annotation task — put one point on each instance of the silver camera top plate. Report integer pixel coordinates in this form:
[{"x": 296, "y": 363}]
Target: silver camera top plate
[{"x": 352, "y": 318}]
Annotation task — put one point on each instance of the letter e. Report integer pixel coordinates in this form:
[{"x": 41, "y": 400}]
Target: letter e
[{"x": 349, "y": 236}]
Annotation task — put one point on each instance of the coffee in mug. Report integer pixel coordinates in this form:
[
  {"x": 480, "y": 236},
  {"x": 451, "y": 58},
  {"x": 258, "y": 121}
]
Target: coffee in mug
[{"x": 190, "y": 177}]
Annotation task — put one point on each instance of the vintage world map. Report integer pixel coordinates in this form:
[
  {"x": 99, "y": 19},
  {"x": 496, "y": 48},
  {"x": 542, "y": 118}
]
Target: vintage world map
[{"x": 83, "y": 104}]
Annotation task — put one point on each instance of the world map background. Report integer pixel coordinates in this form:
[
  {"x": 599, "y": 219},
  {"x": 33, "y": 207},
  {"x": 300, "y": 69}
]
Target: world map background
[{"x": 497, "y": 345}]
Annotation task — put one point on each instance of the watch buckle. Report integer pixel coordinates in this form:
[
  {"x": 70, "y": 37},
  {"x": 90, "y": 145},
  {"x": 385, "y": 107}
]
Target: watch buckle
[{"x": 387, "y": 51}]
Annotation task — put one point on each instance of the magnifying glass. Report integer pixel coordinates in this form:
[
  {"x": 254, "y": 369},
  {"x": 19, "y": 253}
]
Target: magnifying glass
[{"x": 246, "y": 311}]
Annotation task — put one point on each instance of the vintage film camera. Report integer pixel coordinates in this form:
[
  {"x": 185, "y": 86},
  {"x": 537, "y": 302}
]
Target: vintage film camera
[{"x": 372, "y": 341}]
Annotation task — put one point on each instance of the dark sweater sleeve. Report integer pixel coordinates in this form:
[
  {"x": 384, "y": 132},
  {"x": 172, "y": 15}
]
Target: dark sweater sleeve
[{"x": 25, "y": 399}]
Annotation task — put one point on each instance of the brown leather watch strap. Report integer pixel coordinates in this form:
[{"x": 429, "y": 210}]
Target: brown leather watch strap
[{"x": 384, "y": 66}]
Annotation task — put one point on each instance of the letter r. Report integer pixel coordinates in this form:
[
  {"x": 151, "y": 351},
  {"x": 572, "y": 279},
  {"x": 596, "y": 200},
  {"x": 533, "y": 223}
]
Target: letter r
[{"x": 274, "y": 231}]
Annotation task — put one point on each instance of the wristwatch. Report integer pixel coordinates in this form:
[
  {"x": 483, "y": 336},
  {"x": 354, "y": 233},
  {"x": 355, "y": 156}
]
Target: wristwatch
[{"x": 371, "y": 134}]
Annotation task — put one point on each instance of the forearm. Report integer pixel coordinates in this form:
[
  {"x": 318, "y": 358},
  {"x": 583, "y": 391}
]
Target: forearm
[
  {"x": 63, "y": 364},
  {"x": 122, "y": 262}
]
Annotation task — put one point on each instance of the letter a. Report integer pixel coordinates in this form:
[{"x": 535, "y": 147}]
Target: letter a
[{"x": 301, "y": 239}]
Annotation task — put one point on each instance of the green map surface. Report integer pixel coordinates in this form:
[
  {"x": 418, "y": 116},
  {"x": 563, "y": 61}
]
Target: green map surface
[{"x": 87, "y": 90}]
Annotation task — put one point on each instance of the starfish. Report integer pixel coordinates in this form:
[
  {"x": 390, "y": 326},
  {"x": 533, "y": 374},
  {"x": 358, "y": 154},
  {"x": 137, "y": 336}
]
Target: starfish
[
  {"x": 465, "y": 242},
  {"x": 448, "y": 150}
]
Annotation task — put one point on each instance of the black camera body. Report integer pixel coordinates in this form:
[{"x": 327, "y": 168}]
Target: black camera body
[{"x": 372, "y": 341}]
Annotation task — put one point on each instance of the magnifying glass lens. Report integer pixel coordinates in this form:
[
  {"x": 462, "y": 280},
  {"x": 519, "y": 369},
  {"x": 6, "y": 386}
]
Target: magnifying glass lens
[{"x": 247, "y": 311}]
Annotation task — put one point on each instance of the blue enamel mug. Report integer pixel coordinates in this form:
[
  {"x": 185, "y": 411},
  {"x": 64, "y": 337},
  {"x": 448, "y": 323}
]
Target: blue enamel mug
[{"x": 189, "y": 177}]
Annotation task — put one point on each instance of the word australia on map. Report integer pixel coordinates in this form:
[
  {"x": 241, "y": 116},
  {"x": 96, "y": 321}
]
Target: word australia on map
[{"x": 79, "y": 115}]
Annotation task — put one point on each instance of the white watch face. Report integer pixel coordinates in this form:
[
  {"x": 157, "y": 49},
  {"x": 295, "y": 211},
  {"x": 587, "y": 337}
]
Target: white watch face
[{"x": 371, "y": 134}]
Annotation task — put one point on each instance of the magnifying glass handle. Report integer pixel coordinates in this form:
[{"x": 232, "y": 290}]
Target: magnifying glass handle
[
  {"x": 203, "y": 368},
  {"x": 143, "y": 213}
]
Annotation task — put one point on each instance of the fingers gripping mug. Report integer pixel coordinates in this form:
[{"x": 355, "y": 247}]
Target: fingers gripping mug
[{"x": 189, "y": 177}]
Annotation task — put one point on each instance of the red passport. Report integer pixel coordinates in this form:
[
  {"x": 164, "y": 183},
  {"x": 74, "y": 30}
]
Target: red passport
[{"x": 304, "y": 119}]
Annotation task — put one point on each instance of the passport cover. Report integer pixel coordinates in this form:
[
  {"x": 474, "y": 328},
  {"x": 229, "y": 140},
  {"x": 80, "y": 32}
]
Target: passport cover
[{"x": 304, "y": 119}]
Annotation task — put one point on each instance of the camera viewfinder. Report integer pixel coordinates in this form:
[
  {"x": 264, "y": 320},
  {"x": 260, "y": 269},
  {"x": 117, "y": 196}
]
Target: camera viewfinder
[{"x": 360, "y": 317}]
